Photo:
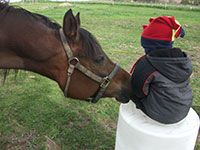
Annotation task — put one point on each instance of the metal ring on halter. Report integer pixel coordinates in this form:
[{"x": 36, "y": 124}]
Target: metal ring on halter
[{"x": 73, "y": 59}]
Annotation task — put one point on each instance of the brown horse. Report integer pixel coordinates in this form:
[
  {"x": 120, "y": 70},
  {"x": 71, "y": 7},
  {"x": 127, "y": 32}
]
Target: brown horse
[{"x": 33, "y": 42}]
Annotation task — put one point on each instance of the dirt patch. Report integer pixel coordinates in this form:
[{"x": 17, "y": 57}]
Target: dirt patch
[
  {"x": 25, "y": 142},
  {"x": 110, "y": 125},
  {"x": 50, "y": 144},
  {"x": 22, "y": 142},
  {"x": 65, "y": 4}
]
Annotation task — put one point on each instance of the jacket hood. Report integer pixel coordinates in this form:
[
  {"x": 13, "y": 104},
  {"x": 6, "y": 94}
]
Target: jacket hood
[{"x": 177, "y": 69}]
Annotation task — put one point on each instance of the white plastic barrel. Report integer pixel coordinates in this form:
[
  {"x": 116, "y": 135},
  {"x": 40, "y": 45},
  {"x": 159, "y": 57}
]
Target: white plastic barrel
[{"x": 136, "y": 131}]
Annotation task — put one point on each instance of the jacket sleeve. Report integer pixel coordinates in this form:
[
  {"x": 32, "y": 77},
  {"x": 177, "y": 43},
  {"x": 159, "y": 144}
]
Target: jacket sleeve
[
  {"x": 147, "y": 83},
  {"x": 141, "y": 77}
]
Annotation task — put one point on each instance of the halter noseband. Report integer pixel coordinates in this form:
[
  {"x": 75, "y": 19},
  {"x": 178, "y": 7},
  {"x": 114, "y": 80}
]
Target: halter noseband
[{"x": 74, "y": 63}]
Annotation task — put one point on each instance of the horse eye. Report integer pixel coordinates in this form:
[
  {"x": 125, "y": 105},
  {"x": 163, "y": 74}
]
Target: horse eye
[{"x": 99, "y": 59}]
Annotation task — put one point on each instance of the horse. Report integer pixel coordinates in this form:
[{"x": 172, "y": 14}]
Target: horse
[{"x": 69, "y": 55}]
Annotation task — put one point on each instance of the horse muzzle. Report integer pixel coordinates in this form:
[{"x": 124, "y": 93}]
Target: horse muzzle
[{"x": 124, "y": 95}]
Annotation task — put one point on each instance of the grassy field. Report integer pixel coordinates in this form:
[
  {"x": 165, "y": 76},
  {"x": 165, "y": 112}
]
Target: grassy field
[{"x": 34, "y": 115}]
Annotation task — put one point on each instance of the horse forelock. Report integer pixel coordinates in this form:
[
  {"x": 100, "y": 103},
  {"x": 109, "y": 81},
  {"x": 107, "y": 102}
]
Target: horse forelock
[{"x": 90, "y": 43}]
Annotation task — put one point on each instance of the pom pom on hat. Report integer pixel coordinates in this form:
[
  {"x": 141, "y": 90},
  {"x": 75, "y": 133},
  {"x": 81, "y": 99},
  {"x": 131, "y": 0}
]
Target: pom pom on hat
[{"x": 160, "y": 32}]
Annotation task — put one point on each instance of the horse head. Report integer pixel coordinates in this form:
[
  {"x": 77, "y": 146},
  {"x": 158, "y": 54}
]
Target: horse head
[{"x": 86, "y": 48}]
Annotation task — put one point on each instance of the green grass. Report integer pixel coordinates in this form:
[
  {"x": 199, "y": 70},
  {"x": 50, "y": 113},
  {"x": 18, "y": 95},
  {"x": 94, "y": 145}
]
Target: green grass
[{"x": 33, "y": 110}]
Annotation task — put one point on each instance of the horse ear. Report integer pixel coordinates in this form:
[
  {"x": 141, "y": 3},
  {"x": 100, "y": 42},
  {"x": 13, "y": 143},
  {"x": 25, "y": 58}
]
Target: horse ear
[
  {"x": 78, "y": 19},
  {"x": 70, "y": 25}
]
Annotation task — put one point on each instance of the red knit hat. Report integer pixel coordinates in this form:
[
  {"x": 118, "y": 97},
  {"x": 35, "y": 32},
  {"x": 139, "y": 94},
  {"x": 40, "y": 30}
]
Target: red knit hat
[{"x": 160, "y": 32}]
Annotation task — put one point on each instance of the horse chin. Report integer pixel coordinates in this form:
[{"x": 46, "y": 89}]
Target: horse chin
[
  {"x": 123, "y": 98},
  {"x": 124, "y": 95}
]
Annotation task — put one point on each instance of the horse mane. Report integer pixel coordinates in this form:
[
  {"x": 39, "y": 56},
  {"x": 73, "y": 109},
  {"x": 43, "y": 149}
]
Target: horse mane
[
  {"x": 6, "y": 9},
  {"x": 90, "y": 43}
]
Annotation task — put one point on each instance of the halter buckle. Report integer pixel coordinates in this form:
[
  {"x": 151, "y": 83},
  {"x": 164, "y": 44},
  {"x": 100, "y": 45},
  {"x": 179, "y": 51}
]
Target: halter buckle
[{"x": 105, "y": 82}]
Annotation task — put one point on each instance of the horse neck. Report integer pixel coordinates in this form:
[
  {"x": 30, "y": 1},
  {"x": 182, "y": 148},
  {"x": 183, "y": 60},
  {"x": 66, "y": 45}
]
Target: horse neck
[{"x": 34, "y": 48}]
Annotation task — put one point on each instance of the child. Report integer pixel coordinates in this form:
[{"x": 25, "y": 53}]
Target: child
[
  {"x": 160, "y": 79},
  {"x": 160, "y": 33}
]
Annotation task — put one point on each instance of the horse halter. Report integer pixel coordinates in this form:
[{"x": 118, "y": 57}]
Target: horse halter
[{"x": 74, "y": 63}]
